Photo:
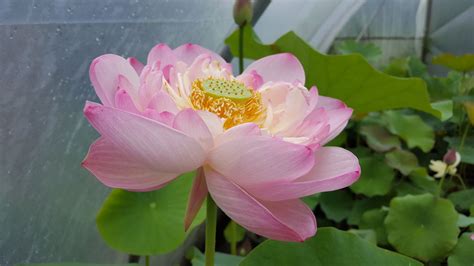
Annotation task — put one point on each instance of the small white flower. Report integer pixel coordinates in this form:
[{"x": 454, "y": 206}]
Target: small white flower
[
  {"x": 448, "y": 166},
  {"x": 439, "y": 167}
]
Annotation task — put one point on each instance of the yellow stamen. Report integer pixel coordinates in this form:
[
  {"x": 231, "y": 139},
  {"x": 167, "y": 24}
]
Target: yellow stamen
[{"x": 228, "y": 99}]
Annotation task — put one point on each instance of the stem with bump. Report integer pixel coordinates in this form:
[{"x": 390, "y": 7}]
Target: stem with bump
[
  {"x": 233, "y": 225},
  {"x": 211, "y": 222},
  {"x": 241, "y": 48}
]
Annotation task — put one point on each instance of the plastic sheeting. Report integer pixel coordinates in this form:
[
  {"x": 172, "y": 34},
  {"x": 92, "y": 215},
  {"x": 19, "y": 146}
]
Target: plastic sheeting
[
  {"x": 451, "y": 28},
  {"x": 398, "y": 27},
  {"x": 48, "y": 202}
]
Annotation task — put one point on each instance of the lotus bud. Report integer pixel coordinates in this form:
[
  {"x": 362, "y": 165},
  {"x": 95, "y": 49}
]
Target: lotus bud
[
  {"x": 243, "y": 12},
  {"x": 451, "y": 157}
]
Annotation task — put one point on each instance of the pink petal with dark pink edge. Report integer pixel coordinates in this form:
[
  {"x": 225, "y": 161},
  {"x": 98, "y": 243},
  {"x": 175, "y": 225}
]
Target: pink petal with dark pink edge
[
  {"x": 288, "y": 220},
  {"x": 136, "y": 64},
  {"x": 338, "y": 113},
  {"x": 329, "y": 103},
  {"x": 124, "y": 102},
  {"x": 251, "y": 79},
  {"x": 151, "y": 188},
  {"x": 315, "y": 127},
  {"x": 196, "y": 198},
  {"x": 189, "y": 52},
  {"x": 191, "y": 124},
  {"x": 162, "y": 102},
  {"x": 280, "y": 67},
  {"x": 165, "y": 117},
  {"x": 124, "y": 84},
  {"x": 257, "y": 159},
  {"x": 157, "y": 148},
  {"x": 167, "y": 70},
  {"x": 161, "y": 52},
  {"x": 118, "y": 168},
  {"x": 151, "y": 81},
  {"x": 313, "y": 97},
  {"x": 334, "y": 168},
  {"x": 104, "y": 73},
  {"x": 313, "y": 122},
  {"x": 338, "y": 120}
]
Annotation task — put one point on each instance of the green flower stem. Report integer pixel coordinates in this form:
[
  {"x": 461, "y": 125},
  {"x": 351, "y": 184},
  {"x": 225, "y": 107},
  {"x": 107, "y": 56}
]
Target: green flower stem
[
  {"x": 233, "y": 242},
  {"x": 211, "y": 222},
  {"x": 463, "y": 137},
  {"x": 241, "y": 48},
  {"x": 233, "y": 225},
  {"x": 147, "y": 260},
  {"x": 440, "y": 186},
  {"x": 461, "y": 181}
]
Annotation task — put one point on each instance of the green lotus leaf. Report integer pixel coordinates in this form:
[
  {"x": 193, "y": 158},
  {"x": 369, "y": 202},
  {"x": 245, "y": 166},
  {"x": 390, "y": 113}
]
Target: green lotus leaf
[
  {"x": 147, "y": 223},
  {"x": 463, "y": 254},
  {"x": 376, "y": 177},
  {"x": 220, "y": 259},
  {"x": 378, "y": 138},
  {"x": 366, "y": 234},
  {"x": 422, "y": 226},
  {"x": 337, "y": 204},
  {"x": 411, "y": 128},
  {"x": 363, "y": 205},
  {"x": 462, "y": 63},
  {"x": 401, "y": 160},
  {"x": 368, "y": 50},
  {"x": 462, "y": 199},
  {"x": 329, "y": 247},
  {"x": 374, "y": 219}
]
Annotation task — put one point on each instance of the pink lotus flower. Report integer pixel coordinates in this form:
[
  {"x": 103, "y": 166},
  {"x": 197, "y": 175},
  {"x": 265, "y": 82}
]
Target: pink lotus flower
[{"x": 256, "y": 140}]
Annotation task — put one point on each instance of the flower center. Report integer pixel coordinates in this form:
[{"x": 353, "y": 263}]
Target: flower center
[
  {"x": 228, "y": 99},
  {"x": 226, "y": 88}
]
